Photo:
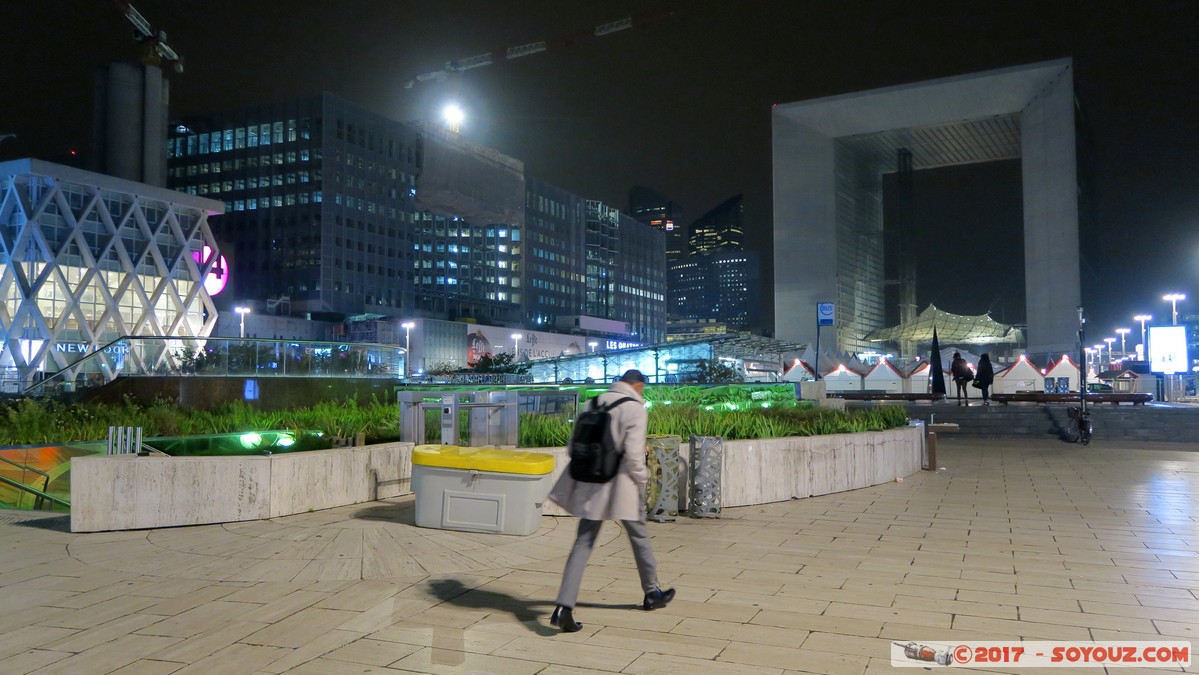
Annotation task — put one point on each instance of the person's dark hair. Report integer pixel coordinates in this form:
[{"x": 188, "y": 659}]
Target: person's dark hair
[
  {"x": 632, "y": 377},
  {"x": 957, "y": 355}
]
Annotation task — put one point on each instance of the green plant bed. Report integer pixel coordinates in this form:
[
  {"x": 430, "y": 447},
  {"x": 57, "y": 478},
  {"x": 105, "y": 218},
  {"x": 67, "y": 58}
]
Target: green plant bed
[
  {"x": 539, "y": 431},
  {"x": 29, "y": 421}
]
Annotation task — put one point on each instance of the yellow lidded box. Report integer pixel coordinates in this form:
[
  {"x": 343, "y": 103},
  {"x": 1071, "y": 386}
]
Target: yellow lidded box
[{"x": 495, "y": 460}]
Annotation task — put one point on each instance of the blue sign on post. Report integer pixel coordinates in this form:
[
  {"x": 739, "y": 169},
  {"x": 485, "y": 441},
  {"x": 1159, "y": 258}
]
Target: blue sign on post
[{"x": 825, "y": 314}]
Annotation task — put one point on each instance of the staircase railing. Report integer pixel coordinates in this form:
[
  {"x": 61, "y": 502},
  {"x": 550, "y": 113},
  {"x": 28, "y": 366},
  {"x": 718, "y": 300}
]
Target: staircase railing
[{"x": 42, "y": 497}]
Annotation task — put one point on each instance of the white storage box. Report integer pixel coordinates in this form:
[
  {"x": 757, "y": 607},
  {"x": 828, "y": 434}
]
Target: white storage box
[{"x": 480, "y": 489}]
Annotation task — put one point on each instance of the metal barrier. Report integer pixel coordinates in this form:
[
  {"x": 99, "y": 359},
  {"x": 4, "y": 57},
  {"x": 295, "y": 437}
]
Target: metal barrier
[
  {"x": 124, "y": 440},
  {"x": 493, "y": 416},
  {"x": 663, "y": 461},
  {"x": 707, "y": 461}
]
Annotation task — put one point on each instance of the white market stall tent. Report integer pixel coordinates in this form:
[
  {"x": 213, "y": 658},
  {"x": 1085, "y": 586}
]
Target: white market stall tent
[
  {"x": 1022, "y": 375},
  {"x": 884, "y": 377},
  {"x": 842, "y": 378},
  {"x": 1065, "y": 368}
]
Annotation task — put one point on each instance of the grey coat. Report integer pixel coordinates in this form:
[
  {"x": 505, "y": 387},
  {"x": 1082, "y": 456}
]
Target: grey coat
[{"x": 623, "y": 497}]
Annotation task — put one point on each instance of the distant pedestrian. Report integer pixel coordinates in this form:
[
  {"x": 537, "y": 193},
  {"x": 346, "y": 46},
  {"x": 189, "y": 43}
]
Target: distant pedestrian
[
  {"x": 985, "y": 377},
  {"x": 622, "y": 498},
  {"x": 960, "y": 370}
]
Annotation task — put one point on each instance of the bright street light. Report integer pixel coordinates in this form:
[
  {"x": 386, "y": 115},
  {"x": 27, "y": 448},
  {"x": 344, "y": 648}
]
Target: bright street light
[
  {"x": 407, "y": 326},
  {"x": 243, "y": 311},
  {"x": 593, "y": 345},
  {"x": 453, "y": 116},
  {"x": 1123, "y": 332},
  {"x": 1144, "y": 345},
  {"x": 1109, "y": 341},
  {"x": 516, "y": 349},
  {"x": 1173, "y": 299}
]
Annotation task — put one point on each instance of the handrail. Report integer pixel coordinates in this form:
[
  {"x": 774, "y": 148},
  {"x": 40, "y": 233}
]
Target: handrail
[
  {"x": 45, "y": 482},
  {"x": 34, "y": 491}
]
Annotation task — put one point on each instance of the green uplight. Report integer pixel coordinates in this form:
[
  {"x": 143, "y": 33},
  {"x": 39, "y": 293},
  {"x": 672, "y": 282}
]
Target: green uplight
[
  {"x": 285, "y": 441},
  {"x": 250, "y": 440}
]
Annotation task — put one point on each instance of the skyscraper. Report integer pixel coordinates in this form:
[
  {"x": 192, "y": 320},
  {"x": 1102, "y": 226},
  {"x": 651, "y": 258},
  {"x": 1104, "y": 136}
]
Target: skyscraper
[
  {"x": 651, "y": 207},
  {"x": 719, "y": 228},
  {"x": 347, "y": 213}
]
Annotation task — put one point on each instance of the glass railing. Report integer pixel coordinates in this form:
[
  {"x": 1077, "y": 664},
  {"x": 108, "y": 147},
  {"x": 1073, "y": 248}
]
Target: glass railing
[{"x": 223, "y": 357}]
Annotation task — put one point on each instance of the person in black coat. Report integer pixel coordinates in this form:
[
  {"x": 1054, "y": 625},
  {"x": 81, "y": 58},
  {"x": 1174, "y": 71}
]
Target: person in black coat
[
  {"x": 985, "y": 377},
  {"x": 960, "y": 370}
]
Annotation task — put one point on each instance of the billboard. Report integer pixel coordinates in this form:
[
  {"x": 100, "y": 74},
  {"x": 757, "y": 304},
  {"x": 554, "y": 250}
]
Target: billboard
[{"x": 1168, "y": 349}]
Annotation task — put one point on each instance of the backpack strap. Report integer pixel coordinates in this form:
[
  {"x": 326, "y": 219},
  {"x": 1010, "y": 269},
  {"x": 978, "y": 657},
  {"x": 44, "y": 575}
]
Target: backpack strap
[{"x": 613, "y": 404}]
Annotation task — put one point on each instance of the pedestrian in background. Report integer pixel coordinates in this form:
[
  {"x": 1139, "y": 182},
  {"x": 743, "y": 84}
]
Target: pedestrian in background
[
  {"x": 622, "y": 498},
  {"x": 960, "y": 370},
  {"x": 985, "y": 377}
]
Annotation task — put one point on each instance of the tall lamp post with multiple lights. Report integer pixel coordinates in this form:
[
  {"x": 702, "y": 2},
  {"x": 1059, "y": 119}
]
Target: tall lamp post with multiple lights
[
  {"x": 1173, "y": 299},
  {"x": 1109, "y": 341},
  {"x": 243, "y": 311},
  {"x": 1123, "y": 347},
  {"x": 1144, "y": 345},
  {"x": 407, "y": 326}
]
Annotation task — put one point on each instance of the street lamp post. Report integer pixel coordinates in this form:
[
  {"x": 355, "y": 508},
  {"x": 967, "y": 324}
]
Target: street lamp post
[
  {"x": 1173, "y": 299},
  {"x": 1098, "y": 356},
  {"x": 407, "y": 326},
  {"x": 1123, "y": 349},
  {"x": 516, "y": 349},
  {"x": 1109, "y": 341},
  {"x": 243, "y": 311},
  {"x": 593, "y": 345},
  {"x": 1144, "y": 345}
]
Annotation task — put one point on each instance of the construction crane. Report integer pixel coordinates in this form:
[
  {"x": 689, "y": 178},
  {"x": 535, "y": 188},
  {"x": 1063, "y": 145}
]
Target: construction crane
[
  {"x": 507, "y": 54},
  {"x": 156, "y": 48}
]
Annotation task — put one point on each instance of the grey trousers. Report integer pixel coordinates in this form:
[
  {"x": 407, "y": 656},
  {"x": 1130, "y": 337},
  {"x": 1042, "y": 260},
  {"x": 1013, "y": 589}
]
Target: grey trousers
[{"x": 572, "y": 577}]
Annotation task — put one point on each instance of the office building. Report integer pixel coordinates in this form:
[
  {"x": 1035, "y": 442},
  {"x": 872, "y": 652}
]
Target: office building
[
  {"x": 720, "y": 228},
  {"x": 651, "y": 207},
  {"x": 345, "y": 212},
  {"x": 719, "y": 286}
]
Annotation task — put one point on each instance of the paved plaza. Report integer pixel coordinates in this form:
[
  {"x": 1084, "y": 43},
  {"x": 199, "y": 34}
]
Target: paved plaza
[{"x": 1015, "y": 539}]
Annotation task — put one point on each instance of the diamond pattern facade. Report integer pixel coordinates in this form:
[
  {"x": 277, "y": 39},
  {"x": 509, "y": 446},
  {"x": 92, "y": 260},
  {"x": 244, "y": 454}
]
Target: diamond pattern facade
[{"x": 86, "y": 260}]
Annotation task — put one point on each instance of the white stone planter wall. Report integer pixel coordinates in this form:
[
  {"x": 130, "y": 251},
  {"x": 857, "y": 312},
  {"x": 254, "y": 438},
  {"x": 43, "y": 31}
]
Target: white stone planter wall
[
  {"x": 129, "y": 492},
  {"x": 779, "y": 469}
]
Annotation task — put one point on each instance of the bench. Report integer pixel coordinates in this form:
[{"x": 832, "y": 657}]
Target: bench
[
  {"x": 1102, "y": 397},
  {"x": 884, "y": 396}
]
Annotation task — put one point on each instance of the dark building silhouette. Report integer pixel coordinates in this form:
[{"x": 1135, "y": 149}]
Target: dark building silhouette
[
  {"x": 720, "y": 228},
  {"x": 661, "y": 213}
]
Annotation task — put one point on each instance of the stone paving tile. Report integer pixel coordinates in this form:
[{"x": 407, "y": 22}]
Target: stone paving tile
[
  {"x": 372, "y": 652},
  {"x": 29, "y": 661},
  {"x": 236, "y": 658},
  {"x": 656, "y": 664},
  {"x": 790, "y": 658},
  {"x": 29, "y": 637},
  {"x": 313, "y": 649},
  {"x": 149, "y": 667},
  {"x": 109, "y": 656},
  {"x": 297, "y": 629},
  {"x": 198, "y": 646}
]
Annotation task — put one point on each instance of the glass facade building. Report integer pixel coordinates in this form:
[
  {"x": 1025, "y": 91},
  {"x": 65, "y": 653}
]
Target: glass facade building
[{"x": 87, "y": 259}]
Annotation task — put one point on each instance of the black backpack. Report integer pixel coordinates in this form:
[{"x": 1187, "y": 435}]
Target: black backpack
[{"x": 594, "y": 455}]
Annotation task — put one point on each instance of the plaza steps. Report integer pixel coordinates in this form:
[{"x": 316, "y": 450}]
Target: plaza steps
[{"x": 1161, "y": 423}]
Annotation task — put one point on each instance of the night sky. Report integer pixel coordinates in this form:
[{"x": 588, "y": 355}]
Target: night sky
[{"x": 682, "y": 104}]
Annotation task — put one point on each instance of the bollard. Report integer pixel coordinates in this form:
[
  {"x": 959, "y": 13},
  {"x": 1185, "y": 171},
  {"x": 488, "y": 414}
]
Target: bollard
[
  {"x": 707, "y": 461},
  {"x": 662, "y": 498},
  {"x": 124, "y": 440}
]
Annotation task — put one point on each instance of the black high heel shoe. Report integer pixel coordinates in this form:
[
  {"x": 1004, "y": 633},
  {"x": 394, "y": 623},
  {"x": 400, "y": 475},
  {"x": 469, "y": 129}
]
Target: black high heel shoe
[{"x": 564, "y": 618}]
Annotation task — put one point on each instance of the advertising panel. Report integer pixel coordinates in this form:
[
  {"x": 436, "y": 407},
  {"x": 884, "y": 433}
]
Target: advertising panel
[{"x": 1168, "y": 349}]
